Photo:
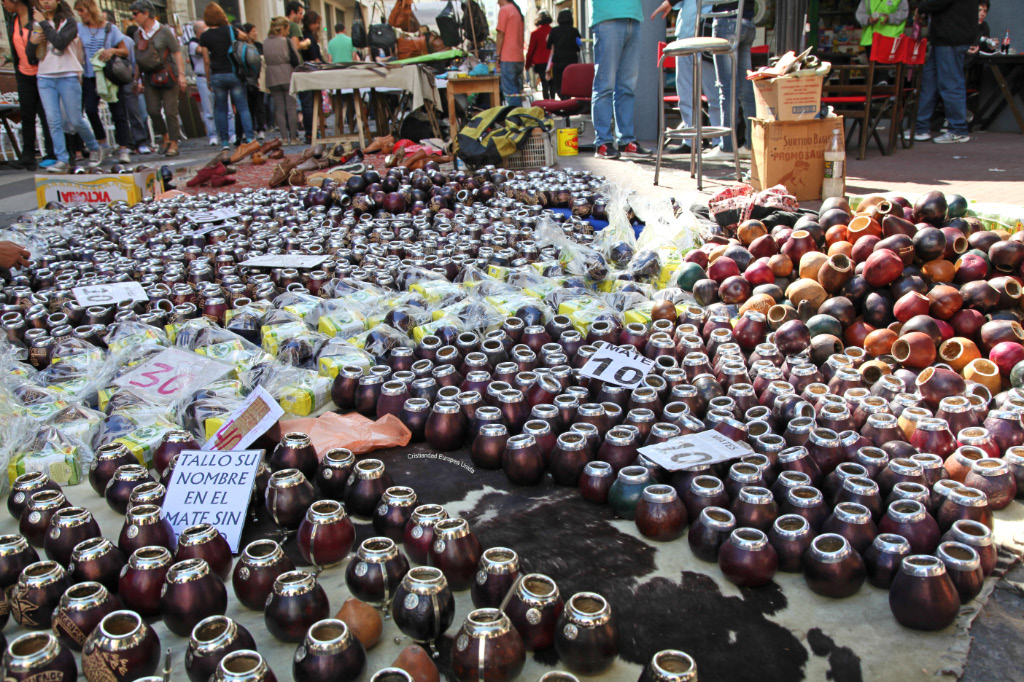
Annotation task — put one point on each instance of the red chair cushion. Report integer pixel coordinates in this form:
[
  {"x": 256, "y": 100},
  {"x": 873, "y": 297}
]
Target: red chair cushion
[
  {"x": 850, "y": 99},
  {"x": 560, "y": 107}
]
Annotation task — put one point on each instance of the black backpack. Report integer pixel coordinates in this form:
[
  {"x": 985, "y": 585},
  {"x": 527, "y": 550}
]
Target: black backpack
[{"x": 359, "y": 30}]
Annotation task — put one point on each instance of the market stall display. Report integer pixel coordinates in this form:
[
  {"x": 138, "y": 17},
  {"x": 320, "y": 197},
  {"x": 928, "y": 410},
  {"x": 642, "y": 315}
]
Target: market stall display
[{"x": 852, "y": 380}]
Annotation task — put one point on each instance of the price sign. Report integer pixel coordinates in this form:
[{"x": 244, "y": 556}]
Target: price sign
[
  {"x": 250, "y": 421},
  {"x": 695, "y": 449},
  {"x": 283, "y": 260},
  {"x": 172, "y": 375},
  {"x": 109, "y": 294},
  {"x": 214, "y": 488},
  {"x": 616, "y": 366},
  {"x": 216, "y": 216}
]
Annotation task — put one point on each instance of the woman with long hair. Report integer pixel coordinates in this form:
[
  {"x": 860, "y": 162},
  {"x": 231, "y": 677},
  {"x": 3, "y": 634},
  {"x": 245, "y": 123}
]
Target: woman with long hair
[
  {"x": 564, "y": 41},
  {"x": 538, "y": 52},
  {"x": 310, "y": 53},
  {"x": 55, "y": 36},
  {"x": 26, "y": 66},
  {"x": 281, "y": 59},
  {"x": 101, "y": 37},
  {"x": 215, "y": 46}
]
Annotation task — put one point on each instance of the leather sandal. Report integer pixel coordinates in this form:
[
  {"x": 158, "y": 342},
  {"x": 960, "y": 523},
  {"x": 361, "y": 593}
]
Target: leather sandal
[{"x": 296, "y": 178}]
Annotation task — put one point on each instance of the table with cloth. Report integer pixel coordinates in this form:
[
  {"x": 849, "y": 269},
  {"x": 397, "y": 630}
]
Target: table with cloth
[{"x": 410, "y": 78}]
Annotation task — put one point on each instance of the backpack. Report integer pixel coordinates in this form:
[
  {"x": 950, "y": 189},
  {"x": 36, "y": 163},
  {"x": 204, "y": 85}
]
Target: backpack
[
  {"x": 448, "y": 25},
  {"x": 245, "y": 58},
  {"x": 498, "y": 132},
  {"x": 359, "y": 30}
]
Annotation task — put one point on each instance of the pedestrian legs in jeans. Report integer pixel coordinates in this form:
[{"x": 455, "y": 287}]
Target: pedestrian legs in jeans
[
  {"x": 66, "y": 91},
  {"x": 943, "y": 76},
  {"x": 726, "y": 28},
  {"x": 512, "y": 83},
  {"x": 228, "y": 85},
  {"x": 91, "y": 105},
  {"x": 617, "y": 59}
]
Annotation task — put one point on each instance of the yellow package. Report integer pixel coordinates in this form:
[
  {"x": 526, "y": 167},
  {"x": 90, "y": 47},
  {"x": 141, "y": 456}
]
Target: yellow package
[
  {"x": 498, "y": 272},
  {"x": 142, "y": 442},
  {"x": 341, "y": 320},
  {"x": 583, "y": 311},
  {"x": 62, "y": 466},
  {"x": 41, "y": 411},
  {"x": 671, "y": 259},
  {"x": 436, "y": 290},
  {"x": 430, "y": 327},
  {"x": 330, "y": 366},
  {"x": 276, "y": 334},
  {"x": 305, "y": 399}
]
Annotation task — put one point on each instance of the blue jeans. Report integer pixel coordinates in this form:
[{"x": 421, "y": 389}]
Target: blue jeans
[
  {"x": 726, "y": 28},
  {"x": 685, "y": 22},
  {"x": 65, "y": 91},
  {"x": 512, "y": 83},
  {"x": 225, "y": 84},
  {"x": 944, "y": 76},
  {"x": 617, "y": 59}
]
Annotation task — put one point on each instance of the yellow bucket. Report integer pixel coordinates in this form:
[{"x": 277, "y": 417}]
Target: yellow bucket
[{"x": 568, "y": 142}]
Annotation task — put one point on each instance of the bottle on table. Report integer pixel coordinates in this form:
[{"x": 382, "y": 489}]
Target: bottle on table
[{"x": 1006, "y": 42}]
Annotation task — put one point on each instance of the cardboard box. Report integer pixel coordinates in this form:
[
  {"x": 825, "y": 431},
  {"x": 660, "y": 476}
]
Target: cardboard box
[
  {"x": 95, "y": 190},
  {"x": 789, "y": 98},
  {"x": 791, "y": 153}
]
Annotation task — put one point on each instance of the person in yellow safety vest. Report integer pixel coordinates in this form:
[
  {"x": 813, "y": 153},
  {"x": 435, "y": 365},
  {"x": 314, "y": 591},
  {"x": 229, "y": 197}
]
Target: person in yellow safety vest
[{"x": 887, "y": 17}]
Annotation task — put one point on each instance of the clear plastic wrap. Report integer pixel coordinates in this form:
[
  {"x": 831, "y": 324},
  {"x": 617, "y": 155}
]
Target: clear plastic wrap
[
  {"x": 576, "y": 259},
  {"x": 51, "y": 451},
  {"x": 338, "y": 353},
  {"x": 299, "y": 392}
]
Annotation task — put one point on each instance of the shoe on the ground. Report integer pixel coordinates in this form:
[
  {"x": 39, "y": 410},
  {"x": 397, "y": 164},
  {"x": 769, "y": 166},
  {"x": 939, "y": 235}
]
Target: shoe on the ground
[
  {"x": 124, "y": 157},
  {"x": 606, "y": 151},
  {"x": 59, "y": 167},
  {"x": 634, "y": 149},
  {"x": 922, "y": 137},
  {"x": 214, "y": 141},
  {"x": 683, "y": 148},
  {"x": 261, "y": 136},
  {"x": 716, "y": 153},
  {"x": 245, "y": 150},
  {"x": 22, "y": 164},
  {"x": 951, "y": 138},
  {"x": 95, "y": 157},
  {"x": 745, "y": 152},
  {"x": 46, "y": 163},
  {"x": 144, "y": 149},
  {"x": 294, "y": 141}
]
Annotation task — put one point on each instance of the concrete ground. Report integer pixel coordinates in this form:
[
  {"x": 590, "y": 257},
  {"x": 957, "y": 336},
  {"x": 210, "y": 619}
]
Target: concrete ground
[{"x": 989, "y": 168}]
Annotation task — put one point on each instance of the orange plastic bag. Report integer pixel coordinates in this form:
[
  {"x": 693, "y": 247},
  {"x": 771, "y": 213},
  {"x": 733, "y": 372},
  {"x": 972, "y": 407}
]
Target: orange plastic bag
[{"x": 352, "y": 431}]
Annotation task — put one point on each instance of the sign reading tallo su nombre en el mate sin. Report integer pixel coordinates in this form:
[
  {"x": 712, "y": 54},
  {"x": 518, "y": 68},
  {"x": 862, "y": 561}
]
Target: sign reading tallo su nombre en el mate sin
[{"x": 212, "y": 487}]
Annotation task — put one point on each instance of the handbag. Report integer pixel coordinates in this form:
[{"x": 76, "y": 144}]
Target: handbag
[
  {"x": 117, "y": 70},
  {"x": 382, "y": 36},
  {"x": 359, "y": 30},
  {"x": 402, "y": 17},
  {"x": 448, "y": 25}
]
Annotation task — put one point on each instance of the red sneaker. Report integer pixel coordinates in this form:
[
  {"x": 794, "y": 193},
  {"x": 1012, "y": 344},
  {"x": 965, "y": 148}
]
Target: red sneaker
[{"x": 606, "y": 151}]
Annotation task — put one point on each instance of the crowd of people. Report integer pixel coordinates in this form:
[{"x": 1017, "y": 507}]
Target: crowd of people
[{"x": 67, "y": 60}]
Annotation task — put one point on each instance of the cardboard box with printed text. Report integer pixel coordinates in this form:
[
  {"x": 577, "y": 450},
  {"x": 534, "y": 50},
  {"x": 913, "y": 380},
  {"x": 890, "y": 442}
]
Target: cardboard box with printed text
[
  {"x": 791, "y": 153},
  {"x": 96, "y": 190}
]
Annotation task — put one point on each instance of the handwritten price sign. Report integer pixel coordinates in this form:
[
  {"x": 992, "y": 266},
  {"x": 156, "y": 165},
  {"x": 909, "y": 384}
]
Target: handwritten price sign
[
  {"x": 109, "y": 294},
  {"x": 695, "y": 449},
  {"x": 172, "y": 375},
  {"x": 615, "y": 366},
  {"x": 250, "y": 421},
  {"x": 282, "y": 260}
]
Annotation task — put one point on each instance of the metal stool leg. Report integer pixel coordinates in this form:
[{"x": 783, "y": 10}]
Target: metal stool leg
[
  {"x": 698, "y": 88},
  {"x": 732, "y": 107},
  {"x": 661, "y": 119}
]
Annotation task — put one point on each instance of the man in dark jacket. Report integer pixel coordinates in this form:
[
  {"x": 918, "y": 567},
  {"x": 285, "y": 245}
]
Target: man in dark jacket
[{"x": 952, "y": 25}]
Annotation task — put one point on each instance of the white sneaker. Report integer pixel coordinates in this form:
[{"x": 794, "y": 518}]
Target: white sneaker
[
  {"x": 951, "y": 138},
  {"x": 261, "y": 136},
  {"x": 717, "y": 153},
  {"x": 922, "y": 137},
  {"x": 214, "y": 141},
  {"x": 59, "y": 167},
  {"x": 96, "y": 158},
  {"x": 745, "y": 152},
  {"x": 144, "y": 149},
  {"x": 124, "y": 157}
]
